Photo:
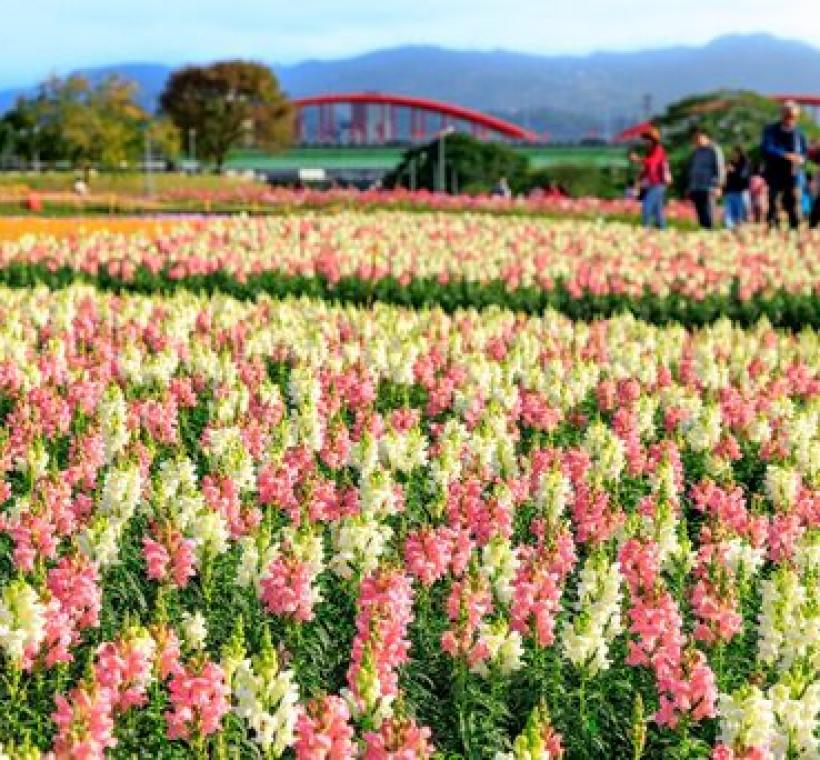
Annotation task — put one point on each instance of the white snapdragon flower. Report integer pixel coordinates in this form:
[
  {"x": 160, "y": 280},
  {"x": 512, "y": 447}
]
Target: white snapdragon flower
[
  {"x": 499, "y": 563},
  {"x": 100, "y": 541},
  {"x": 304, "y": 388},
  {"x": 377, "y": 497},
  {"x": 254, "y": 558},
  {"x": 505, "y": 647},
  {"x": 118, "y": 502},
  {"x": 267, "y": 699},
  {"x": 364, "y": 454},
  {"x": 664, "y": 483},
  {"x": 789, "y": 620},
  {"x": 759, "y": 430},
  {"x": 112, "y": 412},
  {"x": 308, "y": 426},
  {"x": 120, "y": 494},
  {"x": 796, "y": 711},
  {"x": 358, "y": 544},
  {"x": 807, "y": 552},
  {"x": 703, "y": 432},
  {"x": 35, "y": 462},
  {"x": 194, "y": 630},
  {"x": 743, "y": 558},
  {"x": 22, "y": 619},
  {"x": 228, "y": 454},
  {"x": 554, "y": 490},
  {"x": 210, "y": 534},
  {"x": 746, "y": 718},
  {"x": 586, "y": 637},
  {"x": 606, "y": 451},
  {"x": 782, "y": 486}
]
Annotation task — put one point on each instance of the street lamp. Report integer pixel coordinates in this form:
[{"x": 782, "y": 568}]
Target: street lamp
[
  {"x": 35, "y": 135},
  {"x": 192, "y": 145},
  {"x": 442, "y": 176}
]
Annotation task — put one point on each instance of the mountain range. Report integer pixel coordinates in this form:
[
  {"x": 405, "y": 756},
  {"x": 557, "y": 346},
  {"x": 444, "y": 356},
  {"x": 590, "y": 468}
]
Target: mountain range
[{"x": 561, "y": 94}]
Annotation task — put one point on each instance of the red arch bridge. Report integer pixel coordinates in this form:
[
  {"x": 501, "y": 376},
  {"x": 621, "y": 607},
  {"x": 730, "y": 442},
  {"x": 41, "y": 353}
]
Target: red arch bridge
[
  {"x": 367, "y": 118},
  {"x": 810, "y": 103}
]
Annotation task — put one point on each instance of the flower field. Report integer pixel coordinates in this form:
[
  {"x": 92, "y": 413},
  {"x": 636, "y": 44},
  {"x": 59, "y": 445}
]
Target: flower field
[
  {"x": 199, "y": 194},
  {"x": 252, "y": 506},
  {"x": 584, "y": 269}
]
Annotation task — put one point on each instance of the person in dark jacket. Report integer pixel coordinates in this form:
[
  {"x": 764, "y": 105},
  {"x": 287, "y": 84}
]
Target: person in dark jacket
[
  {"x": 736, "y": 196},
  {"x": 814, "y": 219},
  {"x": 785, "y": 151},
  {"x": 707, "y": 173}
]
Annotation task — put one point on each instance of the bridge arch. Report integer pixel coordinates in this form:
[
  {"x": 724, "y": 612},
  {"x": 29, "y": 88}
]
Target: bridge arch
[{"x": 387, "y": 106}]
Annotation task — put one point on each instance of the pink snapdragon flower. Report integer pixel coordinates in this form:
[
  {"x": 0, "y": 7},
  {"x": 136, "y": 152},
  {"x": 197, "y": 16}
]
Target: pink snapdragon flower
[
  {"x": 398, "y": 739},
  {"x": 323, "y": 731},
  {"x": 199, "y": 700}
]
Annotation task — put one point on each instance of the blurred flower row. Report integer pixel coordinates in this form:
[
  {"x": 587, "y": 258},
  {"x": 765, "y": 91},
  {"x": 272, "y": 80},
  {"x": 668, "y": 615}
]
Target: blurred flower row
[{"x": 577, "y": 259}]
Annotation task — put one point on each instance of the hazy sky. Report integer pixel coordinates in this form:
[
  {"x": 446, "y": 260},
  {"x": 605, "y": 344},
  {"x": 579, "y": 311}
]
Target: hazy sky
[{"x": 38, "y": 37}]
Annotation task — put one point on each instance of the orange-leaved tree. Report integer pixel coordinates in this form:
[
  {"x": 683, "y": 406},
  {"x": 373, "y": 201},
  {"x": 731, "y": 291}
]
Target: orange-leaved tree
[{"x": 228, "y": 103}]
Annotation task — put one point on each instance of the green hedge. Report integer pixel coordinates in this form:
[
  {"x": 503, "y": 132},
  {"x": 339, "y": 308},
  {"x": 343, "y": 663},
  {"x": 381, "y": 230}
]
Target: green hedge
[{"x": 782, "y": 309}]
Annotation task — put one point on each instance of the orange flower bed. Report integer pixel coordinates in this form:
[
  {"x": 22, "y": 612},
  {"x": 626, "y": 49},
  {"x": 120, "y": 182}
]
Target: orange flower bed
[{"x": 12, "y": 228}]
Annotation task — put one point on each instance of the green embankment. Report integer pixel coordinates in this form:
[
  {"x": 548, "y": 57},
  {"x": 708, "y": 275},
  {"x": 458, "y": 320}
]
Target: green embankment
[{"x": 335, "y": 158}]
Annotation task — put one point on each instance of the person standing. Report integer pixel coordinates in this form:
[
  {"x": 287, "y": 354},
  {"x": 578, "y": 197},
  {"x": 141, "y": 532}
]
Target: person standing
[
  {"x": 502, "y": 189},
  {"x": 785, "y": 151},
  {"x": 707, "y": 173},
  {"x": 654, "y": 178},
  {"x": 814, "y": 219},
  {"x": 738, "y": 180},
  {"x": 759, "y": 194}
]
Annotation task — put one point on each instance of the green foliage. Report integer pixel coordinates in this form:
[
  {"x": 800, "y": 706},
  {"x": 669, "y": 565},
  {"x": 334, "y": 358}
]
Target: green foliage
[
  {"x": 69, "y": 120},
  {"x": 228, "y": 104},
  {"x": 580, "y": 180},
  {"x": 790, "y": 310},
  {"x": 472, "y": 166}
]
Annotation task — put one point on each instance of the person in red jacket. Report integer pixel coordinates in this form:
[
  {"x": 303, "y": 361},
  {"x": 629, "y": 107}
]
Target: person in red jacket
[{"x": 654, "y": 179}]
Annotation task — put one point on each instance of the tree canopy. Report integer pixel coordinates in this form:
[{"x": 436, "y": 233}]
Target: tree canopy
[
  {"x": 74, "y": 121},
  {"x": 471, "y": 165},
  {"x": 227, "y": 104}
]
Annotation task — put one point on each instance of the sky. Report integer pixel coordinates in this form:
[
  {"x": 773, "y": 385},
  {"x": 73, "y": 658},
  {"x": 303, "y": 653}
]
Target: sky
[{"x": 42, "y": 37}]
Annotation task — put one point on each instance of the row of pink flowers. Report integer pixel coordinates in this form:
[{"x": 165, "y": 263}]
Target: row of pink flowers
[{"x": 587, "y": 257}]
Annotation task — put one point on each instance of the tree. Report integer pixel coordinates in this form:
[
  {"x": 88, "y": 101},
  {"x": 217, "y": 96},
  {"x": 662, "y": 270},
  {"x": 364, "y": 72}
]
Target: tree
[
  {"x": 165, "y": 138},
  {"x": 70, "y": 120},
  {"x": 732, "y": 118},
  {"x": 103, "y": 125},
  {"x": 471, "y": 166},
  {"x": 227, "y": 103}
]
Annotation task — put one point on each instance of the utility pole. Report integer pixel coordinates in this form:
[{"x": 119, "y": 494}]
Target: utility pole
[
  {"x": 647, "y": 106},
  {"x": 149, "y": 182},
  {"x": 35, "y": 130},
  {"x": 442, "y": 175},
  {"x": 192, "y": 145}
]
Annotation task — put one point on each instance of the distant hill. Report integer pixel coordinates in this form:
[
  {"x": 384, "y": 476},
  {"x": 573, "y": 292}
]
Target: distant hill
[
  {"x": 561, "y": 94},
  {"x": 150, "y": 79},
  {"x": 598, "y": 88}
]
